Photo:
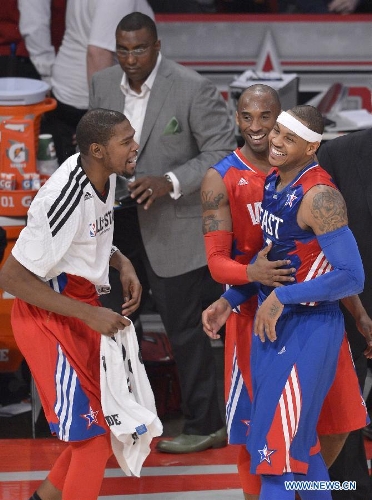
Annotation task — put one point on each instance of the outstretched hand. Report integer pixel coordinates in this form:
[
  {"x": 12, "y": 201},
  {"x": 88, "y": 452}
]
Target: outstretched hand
[
  {"x": 215, "y": 316},
  {"x": 270, "y": 273}
]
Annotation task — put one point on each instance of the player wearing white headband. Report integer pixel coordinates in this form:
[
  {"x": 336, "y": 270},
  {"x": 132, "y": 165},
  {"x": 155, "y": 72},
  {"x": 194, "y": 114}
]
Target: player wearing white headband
[
  {"x": 292, "y": 123},
  {"x": 304, "y": 216},
  {"x": 298, "y": 327},
  {"x": 232, "y": 237}
]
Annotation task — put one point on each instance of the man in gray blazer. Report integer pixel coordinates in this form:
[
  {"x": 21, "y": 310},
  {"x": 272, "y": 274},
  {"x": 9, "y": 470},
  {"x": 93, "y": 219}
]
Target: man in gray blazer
[{"x": 183, "y": 128}]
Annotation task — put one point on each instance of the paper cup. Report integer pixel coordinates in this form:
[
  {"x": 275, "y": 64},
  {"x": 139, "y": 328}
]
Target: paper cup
[{"x": 46, "y": 149}]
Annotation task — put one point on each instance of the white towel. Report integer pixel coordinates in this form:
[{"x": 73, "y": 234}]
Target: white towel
[{"x": 128, "y": 402}]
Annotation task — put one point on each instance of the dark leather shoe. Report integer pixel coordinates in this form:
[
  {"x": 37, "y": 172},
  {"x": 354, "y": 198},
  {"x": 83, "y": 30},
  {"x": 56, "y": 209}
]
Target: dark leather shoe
[{"x": 190, "y": 443}]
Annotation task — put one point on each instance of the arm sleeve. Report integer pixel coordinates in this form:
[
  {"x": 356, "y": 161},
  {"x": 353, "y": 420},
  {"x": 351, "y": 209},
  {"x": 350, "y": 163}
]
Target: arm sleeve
[
  {"x": 236, "y": 295},
  {"x": 222, "y": 267},
  {"x": 345, "y": 279}
]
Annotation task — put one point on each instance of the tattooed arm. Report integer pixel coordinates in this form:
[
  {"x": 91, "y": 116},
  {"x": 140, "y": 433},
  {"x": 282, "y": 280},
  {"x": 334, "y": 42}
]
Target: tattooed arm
[
  {"x": 218, "y": 237},
  {"x": 215, "y": 203},
  {"x": 322, "y": 210}
]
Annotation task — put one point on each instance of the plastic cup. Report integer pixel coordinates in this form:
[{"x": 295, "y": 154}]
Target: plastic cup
[{"x": 46, "y": 149}]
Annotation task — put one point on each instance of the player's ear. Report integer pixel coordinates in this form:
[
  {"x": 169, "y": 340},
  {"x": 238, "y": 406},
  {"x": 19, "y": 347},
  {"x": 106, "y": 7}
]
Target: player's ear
[
  {"x": 236, "y": 117},
  {"x": 96, "y": 150},
  {"x": 312, "y": 148}
]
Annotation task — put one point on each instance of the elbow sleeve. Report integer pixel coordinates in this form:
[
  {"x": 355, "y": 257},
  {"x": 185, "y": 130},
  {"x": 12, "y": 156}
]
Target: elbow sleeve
[
  {"x": 222, "y": 267},
  {"x": 345, "y": 279}
]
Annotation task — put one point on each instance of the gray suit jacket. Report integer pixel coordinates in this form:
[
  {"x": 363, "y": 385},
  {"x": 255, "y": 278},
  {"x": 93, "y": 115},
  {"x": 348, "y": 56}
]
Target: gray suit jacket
[{"x": 186, "y": 130}]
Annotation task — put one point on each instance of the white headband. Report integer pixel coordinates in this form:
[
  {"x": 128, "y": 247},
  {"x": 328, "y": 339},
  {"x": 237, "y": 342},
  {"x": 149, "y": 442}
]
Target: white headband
[{"x": 298, "y": 128}]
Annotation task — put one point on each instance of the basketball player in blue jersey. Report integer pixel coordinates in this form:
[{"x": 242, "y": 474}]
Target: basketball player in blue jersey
[
  {"x": 298, "y": 328},
  {"x": 57, "y": 269},
  {"x": 304, "y": 218},
  {"x": 235, "y": 185}
]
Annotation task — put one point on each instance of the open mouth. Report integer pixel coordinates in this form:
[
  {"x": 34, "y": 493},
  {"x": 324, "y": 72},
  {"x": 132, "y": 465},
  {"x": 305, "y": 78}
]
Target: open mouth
[
  {"x": 276, "y": 153},
  {"x": 132, "y": 160},
  {"x": 257, "y": 137}
]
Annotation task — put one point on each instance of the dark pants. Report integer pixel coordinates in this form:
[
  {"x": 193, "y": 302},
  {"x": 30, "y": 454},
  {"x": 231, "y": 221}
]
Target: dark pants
[
  {"x": 19, "y": 67},
  {"x": 179, "y": 301},
  {"x": 351, "y": 464}
]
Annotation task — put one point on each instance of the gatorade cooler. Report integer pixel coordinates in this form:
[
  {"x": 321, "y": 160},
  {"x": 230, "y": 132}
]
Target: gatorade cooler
[
  {"x": 22, "y": 103},
  {"x": 10, "y": 357}
]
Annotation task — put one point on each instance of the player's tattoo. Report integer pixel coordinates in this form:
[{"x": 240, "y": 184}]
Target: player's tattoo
[
  {"x": 329, "y": 210},
  {"x": 273, "y": 311},
  {"x": 210, "y": 201},
  {"x": 211, "y": 223}
]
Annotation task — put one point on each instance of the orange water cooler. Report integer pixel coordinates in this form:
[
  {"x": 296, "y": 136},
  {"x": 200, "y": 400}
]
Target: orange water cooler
[{"x": 22, "y": 103}]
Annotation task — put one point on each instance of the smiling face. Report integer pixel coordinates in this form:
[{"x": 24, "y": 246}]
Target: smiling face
[
  {"x": 137, "y": 65},
  {"x": 256, "y": 115},
  {"x": 119, "y": 154},
  {"x": 288, "y": 151}
]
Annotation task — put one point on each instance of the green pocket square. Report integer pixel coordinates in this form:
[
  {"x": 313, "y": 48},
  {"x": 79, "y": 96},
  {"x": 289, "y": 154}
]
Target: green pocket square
[{"x": 173, "y": 127}]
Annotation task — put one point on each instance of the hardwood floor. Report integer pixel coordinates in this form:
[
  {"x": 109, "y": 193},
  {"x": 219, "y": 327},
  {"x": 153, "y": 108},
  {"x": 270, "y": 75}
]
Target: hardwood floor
[
  {"x": 208, "y": 475},
  {"x": 205, "y": 475}
]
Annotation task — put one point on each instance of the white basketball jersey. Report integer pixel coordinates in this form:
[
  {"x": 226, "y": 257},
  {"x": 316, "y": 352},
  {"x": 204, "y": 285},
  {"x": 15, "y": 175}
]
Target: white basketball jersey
[{"x": 69, "y": 227}]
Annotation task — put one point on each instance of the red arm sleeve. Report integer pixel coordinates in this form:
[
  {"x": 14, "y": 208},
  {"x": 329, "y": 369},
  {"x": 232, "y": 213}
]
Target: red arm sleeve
[{"x": 222, "y": 267}]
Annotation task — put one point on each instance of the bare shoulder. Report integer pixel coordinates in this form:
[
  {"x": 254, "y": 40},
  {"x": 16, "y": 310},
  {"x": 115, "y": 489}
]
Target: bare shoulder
[{"x": 324, "y": 209}]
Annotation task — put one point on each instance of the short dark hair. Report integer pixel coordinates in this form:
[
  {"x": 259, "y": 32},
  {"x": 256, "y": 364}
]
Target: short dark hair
[
  {"x": 311, "y": 116},
  {"x": 136, "y": 21},
  {"x": 97, "y": 125},
  {"x": 260, "y": 88}
]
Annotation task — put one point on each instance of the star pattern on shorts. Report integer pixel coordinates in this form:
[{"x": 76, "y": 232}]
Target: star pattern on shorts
[
  {"x": 91, "y": 417},
  {"x": 265, "y": 454}
]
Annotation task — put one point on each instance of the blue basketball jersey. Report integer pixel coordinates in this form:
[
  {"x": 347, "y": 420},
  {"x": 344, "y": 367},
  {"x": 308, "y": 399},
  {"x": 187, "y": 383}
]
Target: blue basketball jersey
[
  {"x": 279, "y": 224},
  {"x": 292, "y": 375}
]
